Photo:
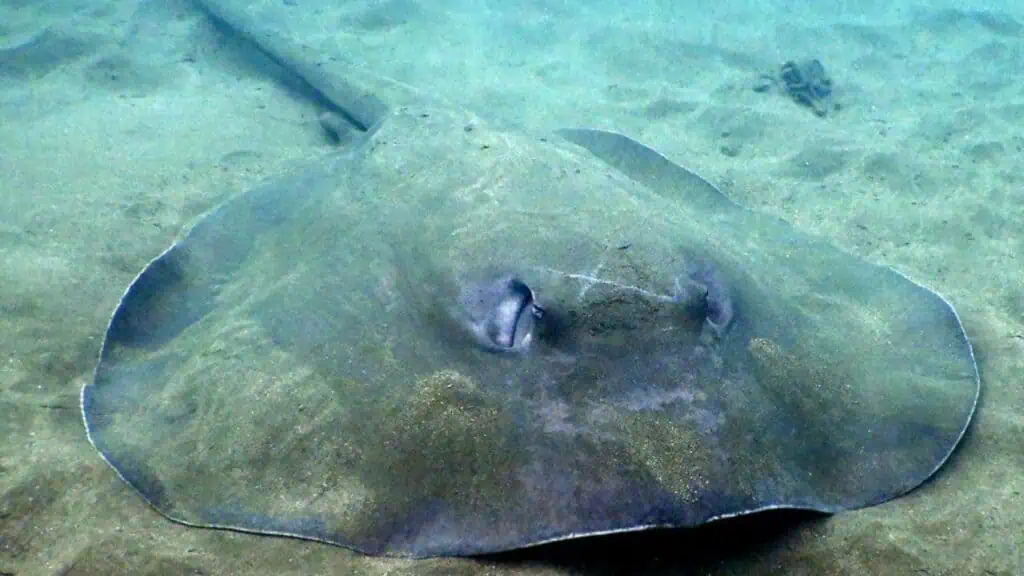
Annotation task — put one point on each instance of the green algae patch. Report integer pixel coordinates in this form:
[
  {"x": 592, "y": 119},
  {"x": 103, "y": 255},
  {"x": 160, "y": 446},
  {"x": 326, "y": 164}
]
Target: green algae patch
[
  {"x": 672, "y": 453},
  {"x": 446, "y": 440}
]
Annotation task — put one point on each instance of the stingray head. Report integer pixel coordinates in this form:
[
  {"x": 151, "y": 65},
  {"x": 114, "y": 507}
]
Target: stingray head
[{"x": 502, "y": 313}]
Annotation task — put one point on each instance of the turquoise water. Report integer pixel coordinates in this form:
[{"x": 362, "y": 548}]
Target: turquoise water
[{"x": 122, "y": 123}]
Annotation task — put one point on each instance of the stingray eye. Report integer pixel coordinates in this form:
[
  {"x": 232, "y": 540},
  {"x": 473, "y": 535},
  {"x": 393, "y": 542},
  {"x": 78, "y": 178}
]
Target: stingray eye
[
  {"x": 705, "y": 290},
  {"x": 511, "y": 323},
  {"x": 502, "y": 313},
  {"x": 504, "y": 321}
]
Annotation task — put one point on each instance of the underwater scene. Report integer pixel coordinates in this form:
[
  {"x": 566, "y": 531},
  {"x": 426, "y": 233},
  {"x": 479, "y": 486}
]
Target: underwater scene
[{"x": 383, "y": 287}]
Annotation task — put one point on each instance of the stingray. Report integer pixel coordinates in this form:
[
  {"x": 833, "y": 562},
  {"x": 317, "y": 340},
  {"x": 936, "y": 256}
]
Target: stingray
[{"x": 445, "y": 339}]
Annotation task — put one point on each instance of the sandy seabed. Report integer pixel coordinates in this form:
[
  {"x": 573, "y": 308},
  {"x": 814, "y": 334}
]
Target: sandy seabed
[{"x": 122, "y": 122}]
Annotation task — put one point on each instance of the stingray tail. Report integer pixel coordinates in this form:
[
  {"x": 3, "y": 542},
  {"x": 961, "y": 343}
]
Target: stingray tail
[{"x": 356, "y": 104}]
